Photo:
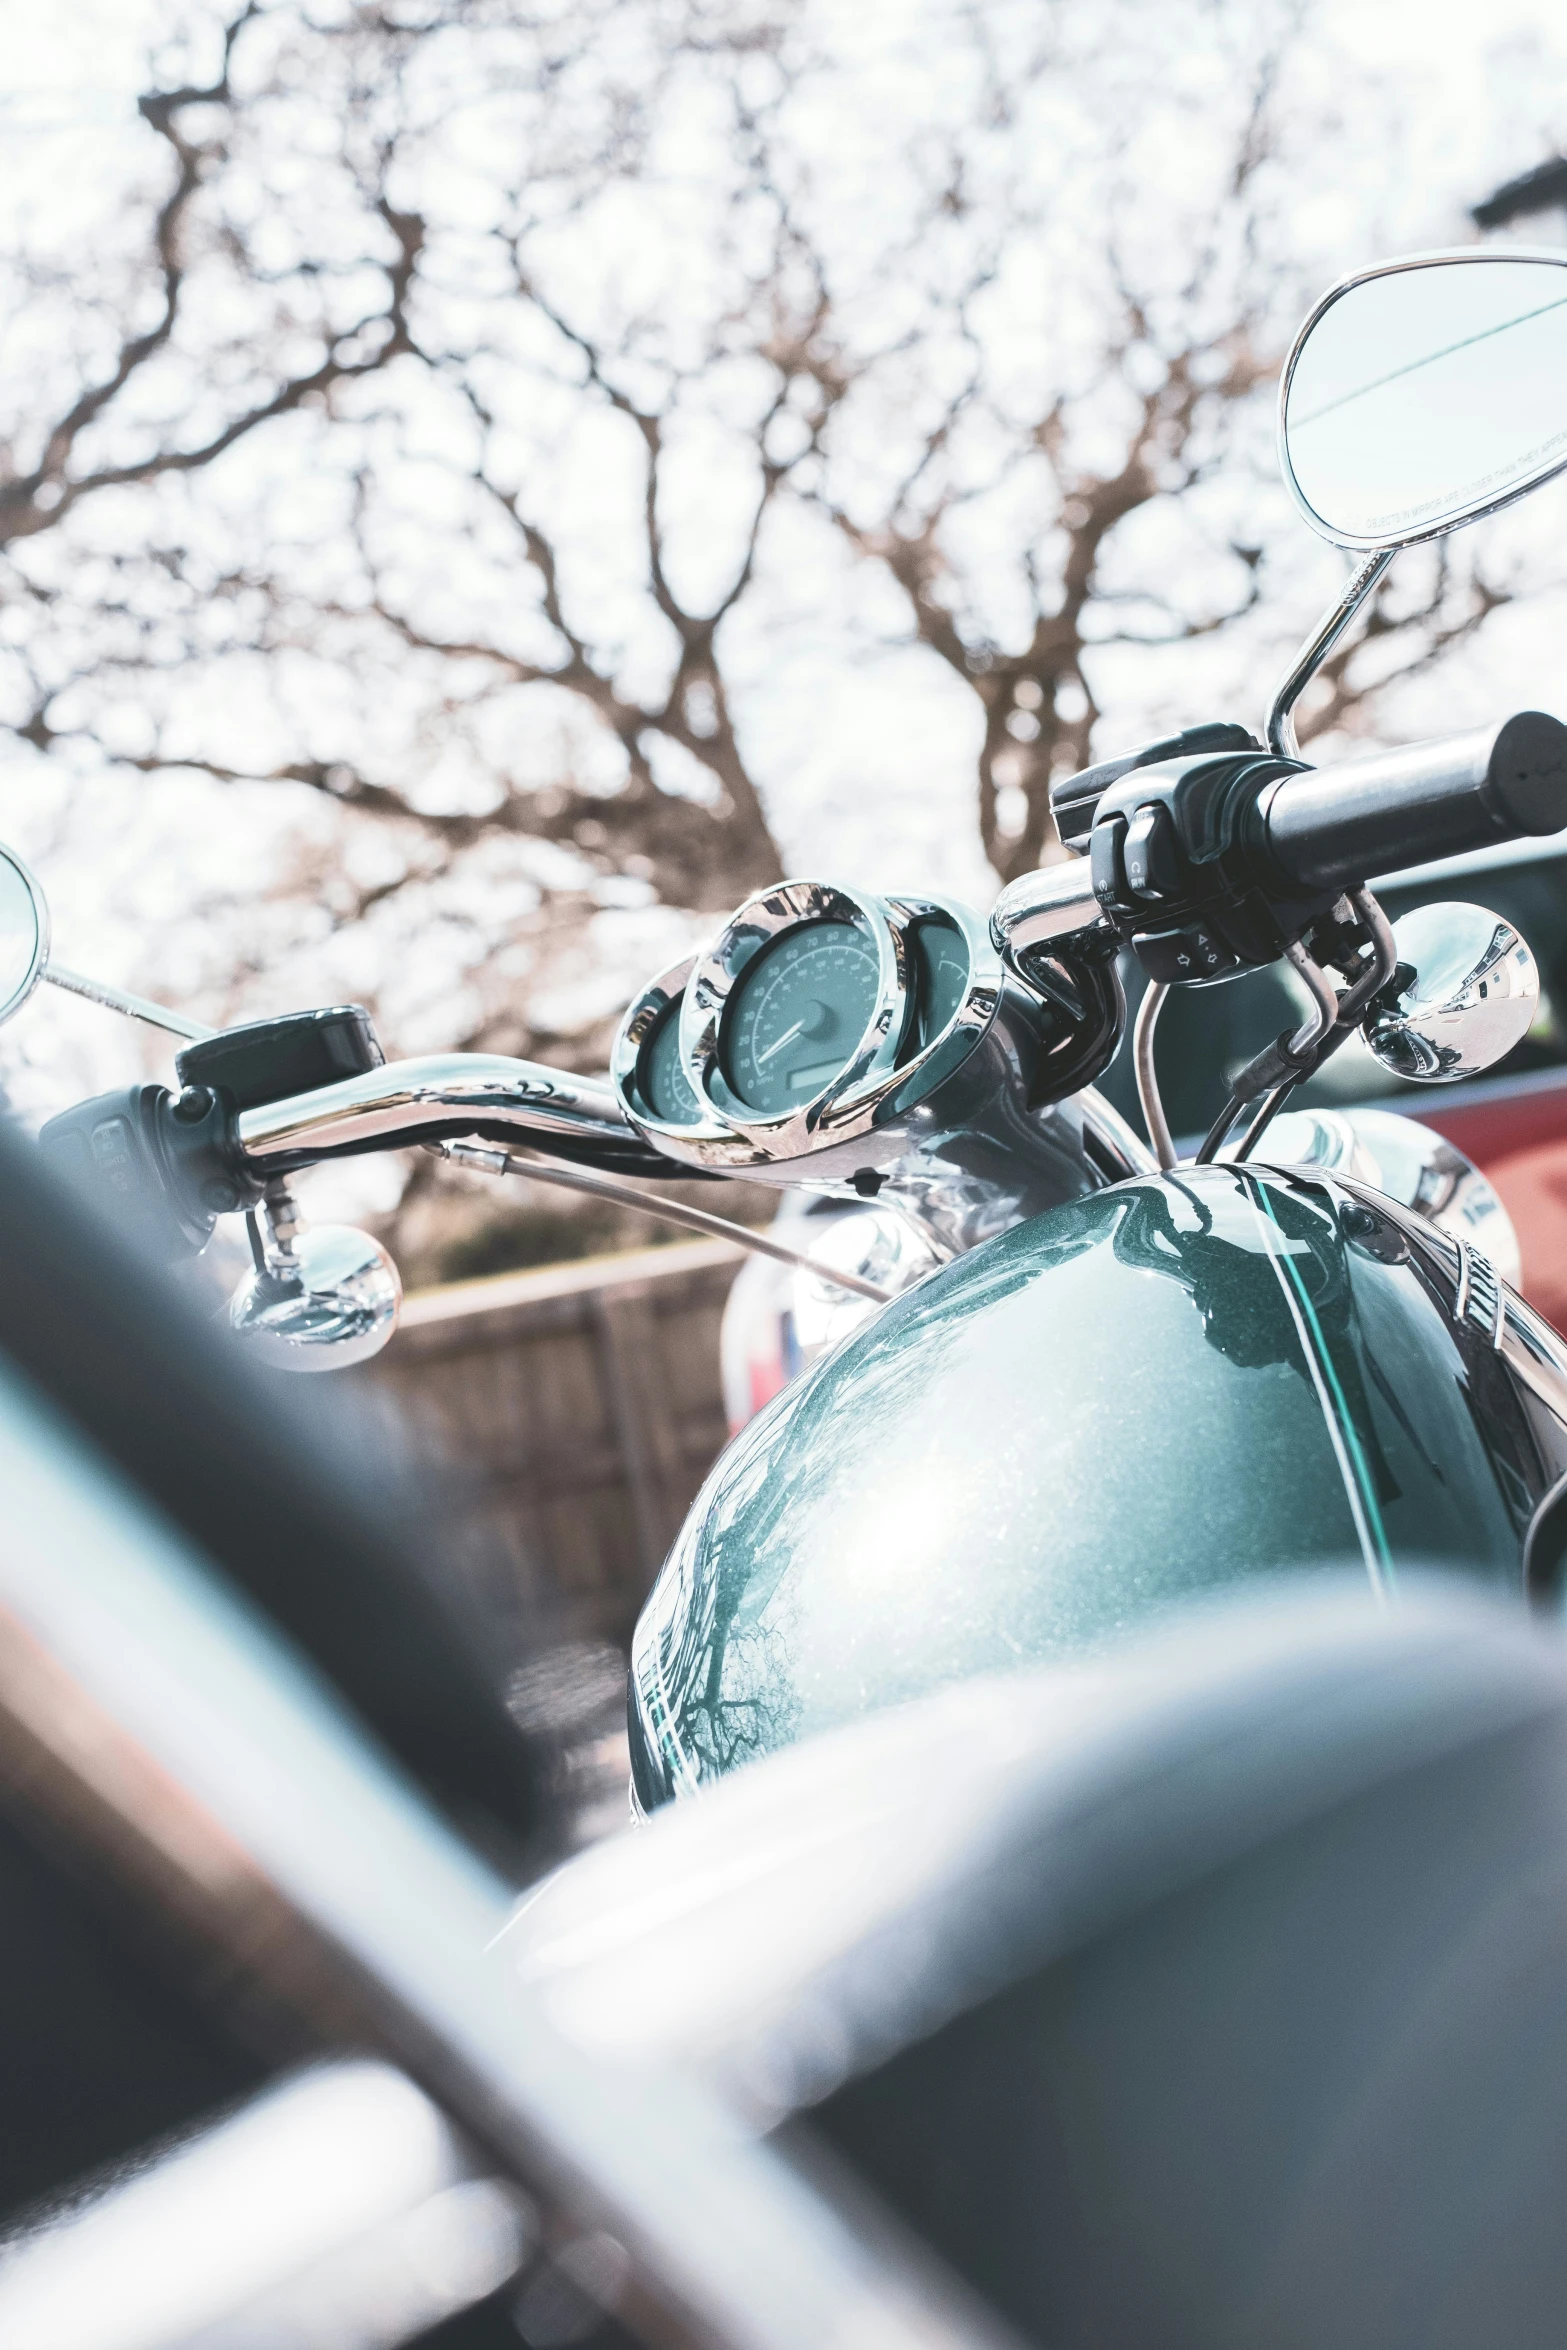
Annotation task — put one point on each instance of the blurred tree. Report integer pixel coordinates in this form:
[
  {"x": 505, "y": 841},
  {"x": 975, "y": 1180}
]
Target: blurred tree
[
  {"x": 470, "y": 413},
  {"x": 196, "y": 488},
  {"x": 1077, "y": 425}
]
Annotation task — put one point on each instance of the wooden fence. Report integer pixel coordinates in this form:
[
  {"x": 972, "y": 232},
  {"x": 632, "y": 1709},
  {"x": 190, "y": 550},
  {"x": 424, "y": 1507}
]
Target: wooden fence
[{"x": 572, "y": 1415}]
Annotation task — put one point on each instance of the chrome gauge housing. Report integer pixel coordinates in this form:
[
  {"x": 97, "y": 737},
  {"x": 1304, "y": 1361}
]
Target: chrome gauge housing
[
  {"x": 808, "y": 965},
  {"x": 816, "y": 1020},
  {"x": 650, "y": 1077}
]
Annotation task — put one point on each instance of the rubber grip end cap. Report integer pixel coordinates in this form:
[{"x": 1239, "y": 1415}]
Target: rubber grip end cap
[{"x": 1526, "y": 775}]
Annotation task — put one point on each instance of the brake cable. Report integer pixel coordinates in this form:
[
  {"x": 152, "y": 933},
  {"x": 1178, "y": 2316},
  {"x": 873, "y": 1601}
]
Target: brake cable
[{"x": 497, "y": 1161}]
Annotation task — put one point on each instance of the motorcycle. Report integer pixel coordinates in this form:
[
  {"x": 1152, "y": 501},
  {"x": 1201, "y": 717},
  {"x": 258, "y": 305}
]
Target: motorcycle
[
  {"x": 1206, "y": 1991},
  {"x": 1063, "y": 1380}
]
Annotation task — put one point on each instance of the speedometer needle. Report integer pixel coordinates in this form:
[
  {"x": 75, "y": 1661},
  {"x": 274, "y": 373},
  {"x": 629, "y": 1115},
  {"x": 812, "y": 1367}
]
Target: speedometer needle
[{"x": 779, "y": 1042}]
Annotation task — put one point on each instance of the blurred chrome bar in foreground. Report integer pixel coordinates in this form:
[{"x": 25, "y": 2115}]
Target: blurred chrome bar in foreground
[
  {"x": 339, "y": 2207},
  {"x": 165, "y": 1729}
]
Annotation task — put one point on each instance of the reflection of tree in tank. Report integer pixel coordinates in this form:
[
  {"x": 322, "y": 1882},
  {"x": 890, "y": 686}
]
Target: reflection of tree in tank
[
  {"x": 697, "y": 1596},
  {"x": 749, "y": 1706},
  {"x": 1232, "y": 1283},
  {"x": 730, "y": 1687},
  {"x": 1238, "y": 1286},
  {"x": 689, "y": 1592}
]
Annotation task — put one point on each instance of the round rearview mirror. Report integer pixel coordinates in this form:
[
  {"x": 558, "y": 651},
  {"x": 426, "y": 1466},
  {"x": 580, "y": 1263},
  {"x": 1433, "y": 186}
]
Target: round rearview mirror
[
  {"x": 1468, "y": 992},
  {"x": 332, "y": 1298},
  {"x": 1425, "y": 393},
  {"x": 24, "y": 933}
]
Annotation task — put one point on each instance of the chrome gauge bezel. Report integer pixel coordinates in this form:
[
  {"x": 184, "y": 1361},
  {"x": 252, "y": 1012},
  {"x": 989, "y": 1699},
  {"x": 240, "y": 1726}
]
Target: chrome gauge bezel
[
  {"x": 875, "y": 1088},
  {"x": 760, "y": 923},
  {"x": 953, "y": 1042},
  {"x": 705, "y": 1141}
]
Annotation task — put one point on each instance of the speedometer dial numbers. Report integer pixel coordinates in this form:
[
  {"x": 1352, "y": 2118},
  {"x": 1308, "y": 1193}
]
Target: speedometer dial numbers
[{"x": 798, "y": 1014}]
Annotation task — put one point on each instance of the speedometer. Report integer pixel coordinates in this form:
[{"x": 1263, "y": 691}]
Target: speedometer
[
  {"x": 654, "y": 1084},
  {"x": 798, "y": 1015},
  {"x": 812, "y": 1028}
]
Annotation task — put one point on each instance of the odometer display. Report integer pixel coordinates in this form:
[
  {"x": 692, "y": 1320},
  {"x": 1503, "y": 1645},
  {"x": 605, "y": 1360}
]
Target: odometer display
[{"x": 798, "y": 1013}]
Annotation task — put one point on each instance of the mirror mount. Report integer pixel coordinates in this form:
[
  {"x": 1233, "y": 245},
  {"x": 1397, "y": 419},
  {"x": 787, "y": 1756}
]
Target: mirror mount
[{"x": 1279, "y": 726}]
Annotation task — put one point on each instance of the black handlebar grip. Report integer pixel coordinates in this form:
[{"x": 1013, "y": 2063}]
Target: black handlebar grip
[{"x": 1333, "y": 826}]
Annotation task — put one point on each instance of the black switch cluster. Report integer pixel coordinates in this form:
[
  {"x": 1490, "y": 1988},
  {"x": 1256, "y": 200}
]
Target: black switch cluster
[
  {"x": 1172, "y": 869},
  {"x": 1074, "y": 799},
  {"x": 1151, "y": 855}
]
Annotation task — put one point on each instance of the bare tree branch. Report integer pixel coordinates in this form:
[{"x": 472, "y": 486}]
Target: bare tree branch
[
  {"x": 1022, "y": 514},
  {"x": 41, "y": 497}
]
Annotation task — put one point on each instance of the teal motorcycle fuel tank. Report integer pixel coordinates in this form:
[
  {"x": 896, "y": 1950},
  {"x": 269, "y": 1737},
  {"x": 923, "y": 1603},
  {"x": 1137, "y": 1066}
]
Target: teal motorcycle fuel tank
[{"x": 1154, "y": 1392}]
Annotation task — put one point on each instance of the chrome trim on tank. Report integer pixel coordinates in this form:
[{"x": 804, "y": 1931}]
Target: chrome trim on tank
[
  {"x": 1534, "y": 1352},
  {"x": 1528, "y": 1345},
  {"x": 1410, "y": 1166}
]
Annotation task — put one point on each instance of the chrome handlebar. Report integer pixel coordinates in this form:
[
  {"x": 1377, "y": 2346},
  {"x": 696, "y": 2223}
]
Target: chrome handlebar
[
  {"x": 437, "y": 1094},
  {"x": 1046, "y": 908}
]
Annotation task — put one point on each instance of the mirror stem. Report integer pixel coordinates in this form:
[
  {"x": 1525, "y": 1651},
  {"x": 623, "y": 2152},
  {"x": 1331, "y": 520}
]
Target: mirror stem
[
  {"x": 1149, "y": 1098},
  {"x": 279, "y": 1224},
  {"x": 1280, "y": 727},
  {"x": 117, "y": 999}
]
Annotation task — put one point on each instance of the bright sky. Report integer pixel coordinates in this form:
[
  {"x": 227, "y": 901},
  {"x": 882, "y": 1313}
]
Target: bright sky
[{"x": 69, "y": 66}]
